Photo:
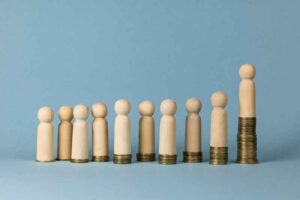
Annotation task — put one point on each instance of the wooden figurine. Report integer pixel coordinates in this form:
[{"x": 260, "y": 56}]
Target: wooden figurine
[
  {"x": 146, "y": 132},
  {"x": 247, "y": 91},
  {"x": 193, "y": 153},
  {"x": 218, "y": 131},
  {"x": 167, "y": 139},
  {"x": 45, "y": 135},
  {"x": 80, "y": 143},
  {"x": 65, "y": 129},
  {"x": 100, "y": 133},
  {"x": 247, "y": 139},
  {"x": 122, "y": 141}
]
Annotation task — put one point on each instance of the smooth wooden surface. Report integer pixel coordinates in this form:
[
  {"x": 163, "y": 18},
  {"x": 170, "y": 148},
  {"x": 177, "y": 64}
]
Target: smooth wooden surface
[
  {"x": 247, "y": 95},
  {"x": 45, "y": 135},
  {"x": 193, "y": 126},
  {"x": 167, "y": 137},
  {"x": 146, "y": 128},
  {"x": 122, "y": 141},
  {"x": 100, "y": 130},
  {"x": 218, "y": 132},
  {"x": 80, "y": 143},
  {"x": 65, "y": 129}
]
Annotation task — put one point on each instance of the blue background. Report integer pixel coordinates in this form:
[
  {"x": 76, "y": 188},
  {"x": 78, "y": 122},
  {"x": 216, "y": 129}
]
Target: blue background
[{"x": 68, "y": 52}]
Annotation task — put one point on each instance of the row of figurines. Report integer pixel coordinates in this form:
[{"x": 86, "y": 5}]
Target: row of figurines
[{"x": 73, "y": 139}]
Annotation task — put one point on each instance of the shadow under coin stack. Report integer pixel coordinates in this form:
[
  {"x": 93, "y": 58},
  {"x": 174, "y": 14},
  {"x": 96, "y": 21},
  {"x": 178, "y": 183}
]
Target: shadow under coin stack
[{"x": 247, "y": 141}]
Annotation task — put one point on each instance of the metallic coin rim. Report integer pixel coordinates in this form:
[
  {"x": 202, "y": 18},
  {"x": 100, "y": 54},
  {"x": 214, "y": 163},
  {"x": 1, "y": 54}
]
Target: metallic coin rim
[
  {"x": 79, "y": 160},
  {"x": 167, "y": 159},
  {"x": 122, "y": 159},
  {"x": 145, "y": 157},
  {"x": 218, "y": 162},
  {"x": 48, "y": 161},
  {"x": 247, "y": 161},
  {"x": 218, "y": 155},
  {"x": 192, "y": 157},
  {"x": 100, "y": 158}
]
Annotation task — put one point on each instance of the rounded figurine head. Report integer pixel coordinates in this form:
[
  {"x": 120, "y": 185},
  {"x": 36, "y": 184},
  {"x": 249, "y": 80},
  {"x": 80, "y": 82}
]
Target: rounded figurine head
[
  {"x": 247, "y": 71},
  {"x": 122, "y": 107},
  {"x": 81, "y": 112},
  {"x": 193, "y": 105},
  {"x": 219, "y": 99},
  {"x": 168, "y": 107},
  {"x": 65, "y": 113},
  {"x": 146, "y": 108},
  {"x": 45, "y": 114},
  {"x": 99, "y": 110}
]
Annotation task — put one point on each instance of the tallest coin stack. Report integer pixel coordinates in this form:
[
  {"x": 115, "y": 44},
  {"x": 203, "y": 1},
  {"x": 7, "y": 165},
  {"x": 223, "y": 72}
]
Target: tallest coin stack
[{"x": 247, "y": 141}]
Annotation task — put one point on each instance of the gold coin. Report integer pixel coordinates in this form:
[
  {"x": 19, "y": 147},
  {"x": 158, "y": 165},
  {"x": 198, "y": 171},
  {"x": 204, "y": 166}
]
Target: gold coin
[
  {"x": 145, "y": 157},
  {"x": 100, "y": 158},
  {"x": 167, "y": 159},
  {"x": 122, "y": 159}
]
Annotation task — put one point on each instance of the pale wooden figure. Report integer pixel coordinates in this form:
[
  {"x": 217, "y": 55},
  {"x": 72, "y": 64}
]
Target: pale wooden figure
[
  {"x": 167, "y": 138},
  {"x": 100, "y": 130},
  {"x": 193, "y": 126},
  {"x": 218, "y": 133},
  {"x": 65, "y": 128},
  {"x": 247, "y": 91},
  {"x": 146, "y": 128},
  {"x": 122, "y": 142},
  {"x": 45, "y": 136},
  {"x": 80, "y": 147}
]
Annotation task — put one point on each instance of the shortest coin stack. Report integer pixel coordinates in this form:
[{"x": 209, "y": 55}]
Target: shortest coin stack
[
  {"x": 145, "y": 157},
  {"x": 167, "y": 159},
  {"x": 192, "y": 157},
  {"x": 122, "y": 159},
  {"x": 218, "y": 155},
  {"x": 100, "y": 158},
  {"x": 247, "y": 141}
]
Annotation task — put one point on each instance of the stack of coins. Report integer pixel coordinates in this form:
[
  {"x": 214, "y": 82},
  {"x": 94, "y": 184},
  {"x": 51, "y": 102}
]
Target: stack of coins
[
  {"x": 192, "y": 157},
  {"x": 122, "y": 159},
  {"x": 218, "y": 155},
  {"x": 167, "y": 159},
  {"x": 100, "y": 158},
  {"x": 247, "y": 141},
  {"x": 145, "y": 157}
]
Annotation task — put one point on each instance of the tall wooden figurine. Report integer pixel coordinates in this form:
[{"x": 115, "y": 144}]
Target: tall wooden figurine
[
  {"x": 80, "y": 140},
  {"x": 45, "y": 136},
  {"x": 100, "y": 133},
  {"x": 193, "y": 153},
  {"x": 146, "y": 132},
  {"x": 167, "y": 138},
  {"x": 122, "y": 141},
  {"x": 65, "y": 129},
  {"x": 247, "y": 139}
]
